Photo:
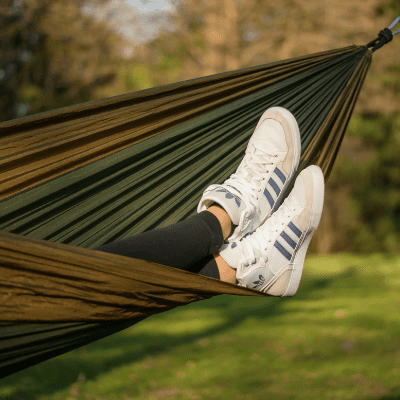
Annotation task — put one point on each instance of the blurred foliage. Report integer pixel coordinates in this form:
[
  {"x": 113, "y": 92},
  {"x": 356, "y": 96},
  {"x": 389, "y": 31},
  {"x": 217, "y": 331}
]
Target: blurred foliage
[
  {"x": 129, "y": 77},
  {"x": 376, "y": 195},
  {"x": 55, "y": 53},
  {"x": 375, "y": 199},
  {"x": 391, "y": 7},
  {"x": 197, "y": 44},
  {"x": 52, "y": 55}
]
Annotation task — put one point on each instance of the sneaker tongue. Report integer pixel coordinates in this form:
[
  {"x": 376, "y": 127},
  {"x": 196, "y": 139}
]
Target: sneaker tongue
[
  {"x": 271, "y": 149},
  {"x": 246, "y": 245},
  {"x": 234, "y": 252},
  {"x": 237, "y": 251},
  {"x": 269, "y": 145}
]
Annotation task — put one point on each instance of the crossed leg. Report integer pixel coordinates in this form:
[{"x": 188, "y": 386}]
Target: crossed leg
[
  {"x": 191, "y": 245},
  {"x": 226, "y": 273}
]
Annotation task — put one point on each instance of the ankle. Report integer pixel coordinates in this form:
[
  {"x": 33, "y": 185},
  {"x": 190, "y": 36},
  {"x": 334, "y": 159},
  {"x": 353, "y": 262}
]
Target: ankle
[
  {"x": 226, "y": 273},
  {"x": 223, "y": 218}
]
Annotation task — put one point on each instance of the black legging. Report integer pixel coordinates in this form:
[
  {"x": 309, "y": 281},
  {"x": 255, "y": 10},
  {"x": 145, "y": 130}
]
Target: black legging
[{"x": 187, "y": 245}]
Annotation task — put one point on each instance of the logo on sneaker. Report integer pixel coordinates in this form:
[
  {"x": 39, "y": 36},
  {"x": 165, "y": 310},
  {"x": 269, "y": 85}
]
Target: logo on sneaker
[
  {"x": 258, "y": 283},
  {"x": 230, "y": 196}
]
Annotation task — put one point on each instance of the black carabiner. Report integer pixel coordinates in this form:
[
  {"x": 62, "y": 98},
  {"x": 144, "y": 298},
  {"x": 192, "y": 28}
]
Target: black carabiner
[{"x": 385, "y": 36}]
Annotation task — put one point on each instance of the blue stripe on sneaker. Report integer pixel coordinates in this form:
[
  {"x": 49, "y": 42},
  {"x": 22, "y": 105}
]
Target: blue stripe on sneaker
[
  {"x": 274, "y": 186},
  {"x": 284, "y": 252},
  {"x": 295, "y": 229},
  {"x": 280, "y": 175},
  {"x": 289, "y": 240},
  {"x": 269, "y": 197}
]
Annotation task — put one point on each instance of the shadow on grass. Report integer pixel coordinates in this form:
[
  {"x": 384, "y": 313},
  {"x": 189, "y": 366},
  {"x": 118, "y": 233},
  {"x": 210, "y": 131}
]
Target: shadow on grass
[
  {"x": 59, "y": 373},
  {"x": 393, "y": 395}
]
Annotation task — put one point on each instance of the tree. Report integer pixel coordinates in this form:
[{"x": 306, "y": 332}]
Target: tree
[
  {"x": 208, "y": 37},
  {"x": 52, "y": 54},
  {"x": 362, "y": 202}
]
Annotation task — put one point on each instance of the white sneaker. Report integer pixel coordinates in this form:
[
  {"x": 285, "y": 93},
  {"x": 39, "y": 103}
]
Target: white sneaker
[
  {"x": 255, "y": 190},
  {"x": 271, "y": 258}
]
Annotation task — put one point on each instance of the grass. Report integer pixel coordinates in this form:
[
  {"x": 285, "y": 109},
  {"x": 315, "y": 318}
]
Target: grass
[{"x": 338, "y": 338}]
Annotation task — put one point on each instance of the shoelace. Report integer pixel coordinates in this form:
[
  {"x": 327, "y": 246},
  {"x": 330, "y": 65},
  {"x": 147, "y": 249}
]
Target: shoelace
[
  {"x": 263, "y": 235},
  {"x": 243, "y": 181}
]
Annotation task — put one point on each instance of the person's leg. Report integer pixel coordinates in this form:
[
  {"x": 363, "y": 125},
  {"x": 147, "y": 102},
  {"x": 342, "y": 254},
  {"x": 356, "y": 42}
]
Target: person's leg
[
  {"x": 226, "y": 273},
  {"x": 223, "y": 218},
  {"x": 245, "y": 201},
  {"x": 255, "y": 190},
  {"x": 187, "y": 245}
]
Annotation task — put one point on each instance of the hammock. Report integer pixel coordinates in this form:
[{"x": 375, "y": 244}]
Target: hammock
[{"x": 78, "y": 177}]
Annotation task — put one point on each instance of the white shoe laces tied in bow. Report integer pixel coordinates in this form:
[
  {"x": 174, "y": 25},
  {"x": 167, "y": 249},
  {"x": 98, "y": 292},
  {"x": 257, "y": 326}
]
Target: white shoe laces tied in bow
[
  {"x": 250, "y": 176},
  {"x": 263, "y": 236}
]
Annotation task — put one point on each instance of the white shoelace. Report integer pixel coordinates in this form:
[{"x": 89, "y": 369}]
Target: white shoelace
[
  {"x": 261, "y": 239},
  {"x": 249, "y": 184}
]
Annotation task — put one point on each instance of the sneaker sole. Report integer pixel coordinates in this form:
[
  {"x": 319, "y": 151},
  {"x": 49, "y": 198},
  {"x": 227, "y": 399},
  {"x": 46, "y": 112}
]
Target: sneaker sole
[
  {"x": 289, "y": 117},
  {"x": 316, "y": 211}
]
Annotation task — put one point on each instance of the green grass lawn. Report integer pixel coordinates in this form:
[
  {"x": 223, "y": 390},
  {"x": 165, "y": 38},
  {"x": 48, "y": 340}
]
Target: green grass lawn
[{"x": 338, "y": 338}]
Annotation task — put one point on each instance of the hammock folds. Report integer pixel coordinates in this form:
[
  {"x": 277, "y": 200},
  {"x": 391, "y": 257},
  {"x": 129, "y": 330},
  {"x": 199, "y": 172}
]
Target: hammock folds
[{"x": 78, "y": 177}]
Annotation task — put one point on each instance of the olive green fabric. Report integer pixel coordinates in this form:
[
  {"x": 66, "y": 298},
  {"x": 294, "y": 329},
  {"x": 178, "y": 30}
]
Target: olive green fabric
[
  {"x": 158, "y": 181},
  {"x": 75, "y": 178},
  {"x": 38, "y": 148}
]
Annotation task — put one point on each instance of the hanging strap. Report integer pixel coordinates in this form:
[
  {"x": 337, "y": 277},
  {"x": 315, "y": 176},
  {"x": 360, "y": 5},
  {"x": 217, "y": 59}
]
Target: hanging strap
[{"x": 384, "y": 36}]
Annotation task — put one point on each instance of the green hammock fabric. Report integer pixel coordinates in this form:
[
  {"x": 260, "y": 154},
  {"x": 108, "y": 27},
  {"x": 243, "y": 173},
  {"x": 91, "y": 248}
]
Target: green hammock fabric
[{"x": 78, "y": 177}]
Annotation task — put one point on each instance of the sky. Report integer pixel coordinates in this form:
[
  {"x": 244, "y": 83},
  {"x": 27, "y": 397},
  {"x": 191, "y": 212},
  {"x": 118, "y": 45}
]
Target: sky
[
  {"x": 145, "y": 8},
  {"x": 152, "y": 15},
  {"x": 151, "y": 5}
]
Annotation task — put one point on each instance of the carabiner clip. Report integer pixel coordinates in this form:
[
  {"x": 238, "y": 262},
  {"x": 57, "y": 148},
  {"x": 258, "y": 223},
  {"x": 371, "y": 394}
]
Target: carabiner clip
[{"x": 393, "y": 24}]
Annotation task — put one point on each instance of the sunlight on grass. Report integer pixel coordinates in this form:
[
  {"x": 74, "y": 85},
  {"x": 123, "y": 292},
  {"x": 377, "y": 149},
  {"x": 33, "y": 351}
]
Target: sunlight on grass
[
  {"x": 334, "y": 340},
  {"x": 180, "y": 326}
]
